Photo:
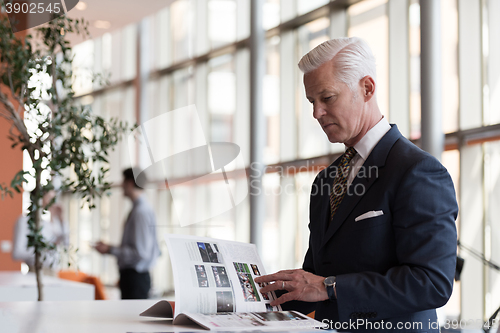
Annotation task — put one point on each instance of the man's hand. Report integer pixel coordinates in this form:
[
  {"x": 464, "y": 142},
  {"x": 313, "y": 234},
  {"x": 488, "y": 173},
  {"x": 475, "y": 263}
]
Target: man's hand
[
  {"x": 301, "y": 286},
  {"x": 102, "y": 248}
]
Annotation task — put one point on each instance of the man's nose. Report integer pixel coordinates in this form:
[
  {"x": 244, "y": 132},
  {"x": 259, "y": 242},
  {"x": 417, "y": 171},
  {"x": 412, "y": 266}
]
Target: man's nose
[{"x": 318, "y": 111}]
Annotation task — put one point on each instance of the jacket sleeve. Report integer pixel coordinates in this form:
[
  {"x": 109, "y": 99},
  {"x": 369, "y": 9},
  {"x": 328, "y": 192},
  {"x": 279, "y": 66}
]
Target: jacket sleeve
[{"x": 423, "y": 221}]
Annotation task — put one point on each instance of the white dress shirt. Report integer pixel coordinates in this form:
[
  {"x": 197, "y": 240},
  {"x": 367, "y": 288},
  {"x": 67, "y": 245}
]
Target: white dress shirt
[
  {"x": 365, "y": 146},
  {"x": 53, "y": 231}
]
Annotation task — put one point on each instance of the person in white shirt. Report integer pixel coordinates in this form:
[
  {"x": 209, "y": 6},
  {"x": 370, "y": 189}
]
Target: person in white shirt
[{"x": 54, "y": 230}]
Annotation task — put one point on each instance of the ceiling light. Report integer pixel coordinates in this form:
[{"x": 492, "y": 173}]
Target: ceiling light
[
  {"x": 102, "y": 24},
  {"x": 81, "y": 5}
]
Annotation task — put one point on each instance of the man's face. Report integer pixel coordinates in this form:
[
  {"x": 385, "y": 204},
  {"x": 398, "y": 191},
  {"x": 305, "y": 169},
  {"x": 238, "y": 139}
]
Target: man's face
[
  {"x": 127, "y": 186},
  {"x": 340, "y": 113}
]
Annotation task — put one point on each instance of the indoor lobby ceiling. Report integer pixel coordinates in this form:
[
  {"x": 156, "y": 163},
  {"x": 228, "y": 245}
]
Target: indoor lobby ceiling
[{"x": 109, "y": 15}]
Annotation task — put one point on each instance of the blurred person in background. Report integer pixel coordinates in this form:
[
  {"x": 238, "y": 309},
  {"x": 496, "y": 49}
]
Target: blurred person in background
[
  {"x": 54, "y": 230},
  {"x": 139, "y": 248}
]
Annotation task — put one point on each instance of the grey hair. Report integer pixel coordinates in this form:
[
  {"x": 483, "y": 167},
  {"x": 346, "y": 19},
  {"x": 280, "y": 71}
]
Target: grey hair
[{"x": 352, "y": 56}]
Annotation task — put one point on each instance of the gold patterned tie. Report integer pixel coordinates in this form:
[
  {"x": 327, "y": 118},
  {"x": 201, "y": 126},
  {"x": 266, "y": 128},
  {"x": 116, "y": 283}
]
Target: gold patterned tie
[{"x": 339, "y": 187}]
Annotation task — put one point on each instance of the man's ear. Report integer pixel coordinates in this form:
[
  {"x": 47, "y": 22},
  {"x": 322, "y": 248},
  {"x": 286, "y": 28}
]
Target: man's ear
[{"x": 368, "y": 85}]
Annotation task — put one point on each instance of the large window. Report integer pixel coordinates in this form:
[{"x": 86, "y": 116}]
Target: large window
[
  {"x": 311, "y": 139},
  {"x": 198, "y": 52},
  {"x": 368, "y": 20}
]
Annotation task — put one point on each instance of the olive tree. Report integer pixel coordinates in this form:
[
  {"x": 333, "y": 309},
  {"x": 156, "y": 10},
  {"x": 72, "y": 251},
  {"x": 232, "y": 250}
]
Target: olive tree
[{"x": 64, "y": 140}]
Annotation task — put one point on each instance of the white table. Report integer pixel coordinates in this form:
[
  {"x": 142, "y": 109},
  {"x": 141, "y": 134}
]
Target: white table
[
  {"x": 15, "y": 286},
  {"x": 83, "y": 317}
]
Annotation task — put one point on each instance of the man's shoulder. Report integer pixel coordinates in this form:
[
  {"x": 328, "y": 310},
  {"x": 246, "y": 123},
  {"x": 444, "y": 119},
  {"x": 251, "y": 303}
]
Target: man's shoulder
[
  {"x": 142, "y": 207},
  {"x": 407, "y": 152},
  {"x": 406, "y": 158},
  {"x": 398, "y": 154}
]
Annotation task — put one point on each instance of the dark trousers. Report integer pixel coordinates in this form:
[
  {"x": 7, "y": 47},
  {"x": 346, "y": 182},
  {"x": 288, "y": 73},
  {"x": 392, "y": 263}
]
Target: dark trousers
[{"x": 134, "y": 285}]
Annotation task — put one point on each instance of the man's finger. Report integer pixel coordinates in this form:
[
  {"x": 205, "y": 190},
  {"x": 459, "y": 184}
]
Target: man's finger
[
  {"x": 288, "y": 271},
  {"x": 281, "y": 275},
  {"x": 270, "y": 277},
  {"x": 283, "y": 299},
  {"x": 272, "y": 287}
]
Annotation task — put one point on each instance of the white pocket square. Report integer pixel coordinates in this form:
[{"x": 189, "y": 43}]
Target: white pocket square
[{"x": 367, "y": 215}]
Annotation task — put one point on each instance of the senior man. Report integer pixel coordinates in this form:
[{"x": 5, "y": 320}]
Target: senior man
[{"x": 382, "y": 247}]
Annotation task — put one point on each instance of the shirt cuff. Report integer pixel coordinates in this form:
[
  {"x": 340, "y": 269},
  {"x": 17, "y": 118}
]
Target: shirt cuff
[{"x": 113, "y": 250}]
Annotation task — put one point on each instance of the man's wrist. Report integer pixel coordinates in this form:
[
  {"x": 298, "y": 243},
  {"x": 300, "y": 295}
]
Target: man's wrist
[{"x": 331, "y": 287}]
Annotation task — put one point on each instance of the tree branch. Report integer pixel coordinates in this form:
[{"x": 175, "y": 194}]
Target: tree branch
[
  {"x": 7, "y": 103},
  {"x": 6, "y": 116},
  {"x": 21, "y": 127},
  {"x": 54, "y": 80},
  {"x": 20, "y": 100},
  {"x": 16, "y": 120},
  {"x": 11, "y": 132},
  {"x": 9, "y": 74},
  {"x": 23, "y": 92}
]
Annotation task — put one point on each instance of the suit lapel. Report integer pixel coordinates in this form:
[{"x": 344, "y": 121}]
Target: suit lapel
[{"x": 361, "y": 184}]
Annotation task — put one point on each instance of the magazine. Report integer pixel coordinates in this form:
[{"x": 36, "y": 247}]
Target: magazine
[{"x": 215, "y": 288}]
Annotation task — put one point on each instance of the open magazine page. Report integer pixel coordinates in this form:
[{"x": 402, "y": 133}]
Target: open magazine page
[
  {"x": 245, "y": 266},
  {"x": 214, "y": 276},
  {"x": 255, "y": 320}
]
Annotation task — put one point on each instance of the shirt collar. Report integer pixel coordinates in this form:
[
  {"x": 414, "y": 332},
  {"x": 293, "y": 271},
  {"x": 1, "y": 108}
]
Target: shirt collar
[
  {"x": 139, "y": 199},
  {"x": 365, "y": 146}
]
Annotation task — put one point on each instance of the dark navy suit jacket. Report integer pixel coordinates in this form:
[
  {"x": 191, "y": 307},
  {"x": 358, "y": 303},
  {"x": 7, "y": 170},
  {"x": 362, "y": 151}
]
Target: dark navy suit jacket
[{"x": 396, "y": 267}]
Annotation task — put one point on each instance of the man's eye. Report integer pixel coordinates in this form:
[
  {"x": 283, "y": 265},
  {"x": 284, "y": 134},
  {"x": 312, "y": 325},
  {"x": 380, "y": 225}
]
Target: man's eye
[{"x": 327, "y": 98}]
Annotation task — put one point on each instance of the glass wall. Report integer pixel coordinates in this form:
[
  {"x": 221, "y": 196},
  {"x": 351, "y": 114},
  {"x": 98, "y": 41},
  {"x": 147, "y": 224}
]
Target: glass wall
[
  {"x": 369, "y": 20},
  {"x": 197, "y": 52},
  {"x": 311, "y": 139}
]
